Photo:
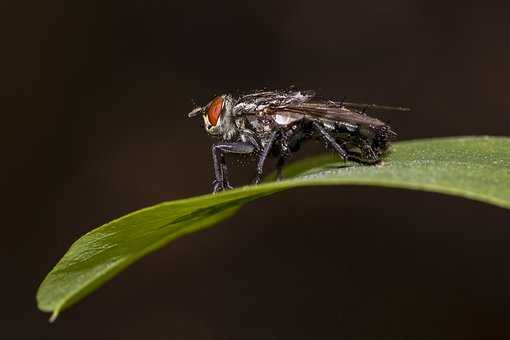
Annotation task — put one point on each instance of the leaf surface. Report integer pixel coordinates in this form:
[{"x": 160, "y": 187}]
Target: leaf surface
[{"x": 477, "y": 168}]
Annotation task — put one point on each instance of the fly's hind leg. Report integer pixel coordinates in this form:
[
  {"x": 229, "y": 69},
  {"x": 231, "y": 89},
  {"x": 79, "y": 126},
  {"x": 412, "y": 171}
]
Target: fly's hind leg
[
  {"x": 369, "y": 153},
  {"x": 220, "y": 168},
  {"x": 342, "y": 152}
]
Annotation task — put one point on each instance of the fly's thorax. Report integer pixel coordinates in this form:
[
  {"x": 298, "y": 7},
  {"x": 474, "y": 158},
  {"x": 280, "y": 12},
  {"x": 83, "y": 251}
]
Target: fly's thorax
[
  {"x": 261, "y": 125},
  {"x": 218, "y": 119}
]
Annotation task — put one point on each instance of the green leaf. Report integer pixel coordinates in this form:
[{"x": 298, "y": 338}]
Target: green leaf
[{"x": 473, "y": 167}]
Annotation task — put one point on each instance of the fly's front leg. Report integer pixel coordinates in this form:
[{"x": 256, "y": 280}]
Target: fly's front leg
[
  {"x": 220, "y": 168},
  {"x": 218, "y": 160},
  {"x": 338, "y": 148},
  {"x": 263, "y": 157},
  {"x": 220, "y": 172},
  {"x": 225, "y": 173}
]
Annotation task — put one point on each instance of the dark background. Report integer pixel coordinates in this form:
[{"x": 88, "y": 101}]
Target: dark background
[{"x": 95, "y": 96}]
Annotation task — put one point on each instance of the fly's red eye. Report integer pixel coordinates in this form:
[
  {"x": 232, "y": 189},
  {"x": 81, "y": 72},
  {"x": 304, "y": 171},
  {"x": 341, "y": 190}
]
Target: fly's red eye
[{"x": 214, "y": 110}]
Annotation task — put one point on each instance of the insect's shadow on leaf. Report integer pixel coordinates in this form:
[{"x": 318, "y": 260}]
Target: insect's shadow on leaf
[
  {"x": 206, "y": 212},
  {"x": 323, "y": 170}
]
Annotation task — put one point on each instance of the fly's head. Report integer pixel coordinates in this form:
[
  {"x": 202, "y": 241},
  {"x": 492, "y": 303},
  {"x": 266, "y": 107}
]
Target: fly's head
[{"x": 217, "y": 115}]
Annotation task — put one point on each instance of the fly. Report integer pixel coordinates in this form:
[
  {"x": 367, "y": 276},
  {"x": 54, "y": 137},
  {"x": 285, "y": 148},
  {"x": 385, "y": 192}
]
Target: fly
[{"x": 276, "y": 123}]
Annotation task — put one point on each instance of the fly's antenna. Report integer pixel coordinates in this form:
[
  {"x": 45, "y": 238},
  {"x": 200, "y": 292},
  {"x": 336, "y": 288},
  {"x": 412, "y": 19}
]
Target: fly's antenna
[{"x": 195, "y": 112}]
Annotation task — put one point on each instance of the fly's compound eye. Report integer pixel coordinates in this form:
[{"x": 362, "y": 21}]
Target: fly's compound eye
[{"x": 214, "y": 110}]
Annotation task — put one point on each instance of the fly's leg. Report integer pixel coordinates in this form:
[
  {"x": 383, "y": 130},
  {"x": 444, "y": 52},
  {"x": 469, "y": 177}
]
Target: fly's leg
[
  {"x": 332, "y": 142},
  {"x": 224, "y": 172},
  {"x": 263, "y": 157},
  {"x": 220, "y": 168},
  {"x": 285, "y": 151},
  {"x": 279, "y": 166},
  {"x": 370, "y": 153}
]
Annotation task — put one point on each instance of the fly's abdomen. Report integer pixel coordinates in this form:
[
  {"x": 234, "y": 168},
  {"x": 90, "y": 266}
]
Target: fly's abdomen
[
  {"x": 383, "y": 136},
  {"x": 365, "y": 143}
]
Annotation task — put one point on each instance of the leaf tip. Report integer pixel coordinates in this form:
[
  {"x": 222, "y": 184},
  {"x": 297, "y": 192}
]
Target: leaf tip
[{"x": 53, "y": 316}]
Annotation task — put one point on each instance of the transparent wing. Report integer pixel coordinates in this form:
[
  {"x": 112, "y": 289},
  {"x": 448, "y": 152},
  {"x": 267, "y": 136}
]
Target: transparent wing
[
  {"x": 330, "y": 111},
  {"x": 294, "y": 105},
  {"x": 370, "y": 106}
]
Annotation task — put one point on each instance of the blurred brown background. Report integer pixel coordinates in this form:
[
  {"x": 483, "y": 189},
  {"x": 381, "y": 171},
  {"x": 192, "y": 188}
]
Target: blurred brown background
[{"x": 95, "y": 96}]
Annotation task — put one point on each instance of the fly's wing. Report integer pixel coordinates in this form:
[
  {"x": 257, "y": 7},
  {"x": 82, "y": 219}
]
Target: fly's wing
[
  {"x": 323, "y": 110},
  {"x": 360, "y": 106},
  {"x": 265, "y": 101}
]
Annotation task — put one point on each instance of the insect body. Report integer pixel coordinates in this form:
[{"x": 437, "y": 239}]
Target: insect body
[{"x": 276, "y": 123}]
